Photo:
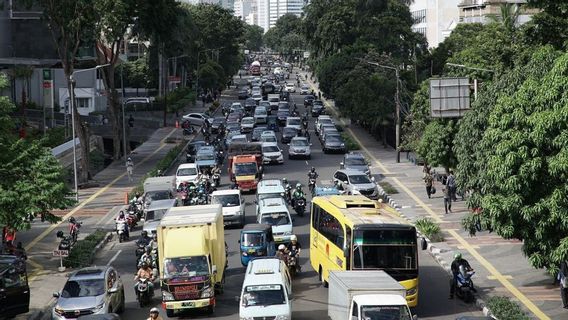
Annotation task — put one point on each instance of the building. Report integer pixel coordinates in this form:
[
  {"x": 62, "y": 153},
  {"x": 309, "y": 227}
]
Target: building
[
  {"x": 485, "y": 11},
  {"x": 278, "y": 8},
  {"x": 435, "y": 19},
  {"x": 242, "y": 8},
  {"x": 263, "y": 14}
]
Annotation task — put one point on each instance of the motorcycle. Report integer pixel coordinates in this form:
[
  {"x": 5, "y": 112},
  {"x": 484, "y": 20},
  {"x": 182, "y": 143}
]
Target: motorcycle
[
  {"x": 140, "y": 245},
  {"x": 216, "y": 179},
  {"x": 135, "y": 208},
  {"x": 132, "y": 220},
  {"x": 121, "y": 230},
  {"x": 300, "y": 205},
  {"x": 188, "y": 131},
  {"x": 220, "y": 158},
  {"x": 293, "y": 265},
  {"x": 66, "y": 241},
  {"x": 311, "y": 184},
  {"x": 464, "y": 285},
  {"x": 183, "y": 195},
  {"x": 288, "y": 193},
  {"x": 144, "y": 295}
]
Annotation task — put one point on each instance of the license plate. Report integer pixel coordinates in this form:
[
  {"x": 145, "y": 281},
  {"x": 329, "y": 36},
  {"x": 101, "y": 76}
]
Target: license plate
[
  {"x": 187, "y": 304},
  {"x": 277, "y": 239}
]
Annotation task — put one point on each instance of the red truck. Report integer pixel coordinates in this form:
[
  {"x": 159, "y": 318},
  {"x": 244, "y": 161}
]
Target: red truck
[
  {"x": 245, "y": 164},
  {"x": 255, "y": 68}
]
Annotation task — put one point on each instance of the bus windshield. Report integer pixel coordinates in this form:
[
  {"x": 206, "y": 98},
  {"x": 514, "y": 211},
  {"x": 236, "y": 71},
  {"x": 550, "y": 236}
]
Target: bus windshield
[
  {"x": 384, "y": 249},
  {"x": 245, "y": 169}
]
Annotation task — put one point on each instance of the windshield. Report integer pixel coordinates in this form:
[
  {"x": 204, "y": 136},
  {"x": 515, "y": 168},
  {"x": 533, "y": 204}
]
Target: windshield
[
  {"x": 359, "y": 179},
  {"x": 384, "y": 249},
  {"x": 332, "y": 138},
  {"x": 239, "y": 139},
  {"x": 263, "y": 196},
  {"x": 83, "y": 288},
  {"x": 157, "y": 195},
  {"x": 385, "y": 313},
  {"x": 247, "y": 121},
  {"x": 206, "y": 156},
  {"x": 187, "y": 172},
  {"x": 270, "y": 149},
  {"x": 269, "y": 138},
  {"x": 254, "y": 239},
  {"x": 294, "y": 122},
  {"x": 273, "y": 99},
  {"x": 226, "y": 200},
  {"x": 186, "y": 267},
  {"x": 299, "y": 143},
  {"x": 260, "y": 111},
  {"x": 265, "y": 295},
  {"x": 275, "y": 218},
  {"x": 283, "y": 106},
  {"x": 155, "y": 214},
  {"x": 245, "y": 169},
  {"x": 355, "y": 162}
]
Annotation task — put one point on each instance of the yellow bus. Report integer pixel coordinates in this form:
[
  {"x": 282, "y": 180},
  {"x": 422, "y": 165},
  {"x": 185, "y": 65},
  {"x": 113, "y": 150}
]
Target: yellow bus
[{"x": 356, "y": 233}]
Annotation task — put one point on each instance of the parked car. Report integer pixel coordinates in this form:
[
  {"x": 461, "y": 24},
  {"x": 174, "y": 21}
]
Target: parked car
[
  {"x": 355, "y": 161},
  {"x": 271, "y": 153},
  {"x": 356, "y": 182},
  {"x": 288, "y": 133},
  {"x": 91, "y": 290},
  {"x": 299, "y": 147},
  {"x": 334, "y": 144},
  {"x": 257, "y": 131},
  {"x": 196, "y": 119}
]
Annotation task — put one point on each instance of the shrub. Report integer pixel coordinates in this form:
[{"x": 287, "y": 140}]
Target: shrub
[
  {"x": 97, "y": 162},
  {"x": 82, "y": 253},
  {"x": 388, "y": 188},
  {"x": 430, "y": 229},
  {"x": 350, "y": 142},
  {"x": 505, "y": 309}
]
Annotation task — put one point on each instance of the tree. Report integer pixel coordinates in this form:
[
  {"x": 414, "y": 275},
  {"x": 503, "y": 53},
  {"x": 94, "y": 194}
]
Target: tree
[
  {"x": 286, "y": 35},
  {"x": 437, "y": 142},
  {"x": 415, "y": 123},
  {"x": 71, "y": 24},
  {"x": 31, "y": 179},
  {"x": 550, "y": 24},
  {"x": 252, "y": 37}
]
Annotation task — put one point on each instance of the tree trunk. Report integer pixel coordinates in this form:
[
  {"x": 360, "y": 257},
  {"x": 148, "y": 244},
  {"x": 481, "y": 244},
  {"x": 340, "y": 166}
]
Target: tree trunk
[
  {"x": 114, "y": 108},
  {"x": 81, "y": 132}
]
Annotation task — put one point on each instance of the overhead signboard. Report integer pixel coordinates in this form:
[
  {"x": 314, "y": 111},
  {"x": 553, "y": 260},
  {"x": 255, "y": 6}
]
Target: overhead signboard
[{"x": 449, "y": 97}]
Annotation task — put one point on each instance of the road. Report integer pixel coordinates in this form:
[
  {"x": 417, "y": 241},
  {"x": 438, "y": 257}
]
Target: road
[{"x": 310, "y": 298}]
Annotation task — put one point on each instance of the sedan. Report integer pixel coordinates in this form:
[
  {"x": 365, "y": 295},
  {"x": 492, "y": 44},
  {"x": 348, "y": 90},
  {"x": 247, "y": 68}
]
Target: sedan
[
  {"x": 299, "y": 147},
  {"x": 304, "y": 90},
  {"x": 290, "y": 87},
  {"x": 257, "y": 97},
  {"x": 250, "y": 104},
  {"x": 282, "y": 116},
  {"x": 317, "y": 110},
  {"x": 288, "y": 133},
  {"x": 309, "y": 100},
  {"x": 218, "y": 124},
  {"x": 196, "y": 119},
  {"x": 243, "y": 94},
  {"x": 192, "y": 148},
  {"x": 334, "y": 144},
  {"x": 256, "y": 132},
  {"x": 247, "y": 124},
  {"x": 266, "y": 106},
  {"x": 271, "y": 153}
]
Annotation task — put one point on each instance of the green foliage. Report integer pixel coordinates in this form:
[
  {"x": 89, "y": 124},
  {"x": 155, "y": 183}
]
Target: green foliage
[
  {"x": 212, "y": 76},
  {"x": 388, "y": 188},
  {"x": 252, "y": 37},
  {"x": 350, "y": 142},
  {"x": 286, "y": 35},
  {"x": 505, "y": 309},
  {"x": 415, "y": 123},
  {"x": 82, "y": 253},
  {"x": 436, "y": 144},
  {"x": 549, "y": 25},
  {"x": 136, "y": 73},
  {"x": 430, "y": 229},
  {"x": 97, "y": 161},
  {"x": 31, "y": 179}
]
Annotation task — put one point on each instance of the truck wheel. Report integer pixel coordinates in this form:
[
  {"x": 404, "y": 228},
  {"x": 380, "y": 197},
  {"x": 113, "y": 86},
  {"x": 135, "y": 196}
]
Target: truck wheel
[
  {"x": 323, "y": 282},
  {"x": 170, "y": 313}
]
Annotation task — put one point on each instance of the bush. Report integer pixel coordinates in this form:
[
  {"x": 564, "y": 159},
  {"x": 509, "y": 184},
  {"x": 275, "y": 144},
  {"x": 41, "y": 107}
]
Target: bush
[
  {"x": 82, "y": 254},
  {"x": 505, "y": 309},
  {"x": 388, "y": 188},
  {"x": 97, "y": 162},
  {"x": 350, "y": 142},
  {"x": 430, "y": 229}
]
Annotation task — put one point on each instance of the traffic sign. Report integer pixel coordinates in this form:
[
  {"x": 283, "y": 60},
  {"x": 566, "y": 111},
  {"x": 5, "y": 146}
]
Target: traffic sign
[{"x": 60, "y": 253}]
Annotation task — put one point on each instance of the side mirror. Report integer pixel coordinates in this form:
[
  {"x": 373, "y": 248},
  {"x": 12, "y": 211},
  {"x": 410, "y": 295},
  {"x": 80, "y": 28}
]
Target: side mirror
[
  {"x": 56, "y": 294},
  {"x": 214, "y": 269},
  {"x": 341, "y": 164},
  {"x": 112, "y": 290},
  {"x": 424, "y": 243}
]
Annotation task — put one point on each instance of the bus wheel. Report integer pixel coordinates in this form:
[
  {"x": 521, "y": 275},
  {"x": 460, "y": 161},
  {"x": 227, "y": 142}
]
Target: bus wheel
[{"x": 323, "y": 282}]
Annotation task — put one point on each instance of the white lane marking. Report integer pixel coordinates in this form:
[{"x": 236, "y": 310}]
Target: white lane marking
[
  {"x": 307, "y": 163},
  {"x": 114, "y": 257}
]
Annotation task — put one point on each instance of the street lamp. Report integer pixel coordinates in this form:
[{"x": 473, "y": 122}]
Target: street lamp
[
  {"x": 397, "y": 103},
  {"x": 471, "y": 68},
  {"x": 72, "y": 107},
  {"x": 168, "y": 85}
]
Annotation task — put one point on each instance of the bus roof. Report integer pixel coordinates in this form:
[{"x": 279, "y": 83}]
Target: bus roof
[{"x": 360, "y": 210}]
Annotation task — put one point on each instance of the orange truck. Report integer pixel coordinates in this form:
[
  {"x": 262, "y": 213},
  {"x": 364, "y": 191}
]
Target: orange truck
[{"x": 245, "y": 164}]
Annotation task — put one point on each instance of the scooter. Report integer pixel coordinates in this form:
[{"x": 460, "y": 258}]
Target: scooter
[
  {"x": 121, "y": 230},
  {"x": 464, "y": 285},
  {"x": 144, "y": 294},
  {"x": 300, "y": 206},
  {"x": 66, "y": 241},
  {"x": 293, "y": 266}
]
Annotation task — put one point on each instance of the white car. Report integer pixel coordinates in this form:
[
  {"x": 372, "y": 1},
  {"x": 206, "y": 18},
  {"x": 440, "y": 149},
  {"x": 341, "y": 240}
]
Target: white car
[
  {"x": 290, "y": 87},
  {"x": 274, "y": 212},
  {"x": 271, "y": 153},
  {"x": 257, "y": 97},
  {"x": 304, "y": 90},
  {"x": 187, "y": 172},
  {"x": 260, "y": 114},
  {"x": 268, "y": 136},
  {"x": 299, "y": 147},
  {"x": 247, "y": 124},
  {"x": 197, "y": 119},
  {"x": 238, "y": 138}
]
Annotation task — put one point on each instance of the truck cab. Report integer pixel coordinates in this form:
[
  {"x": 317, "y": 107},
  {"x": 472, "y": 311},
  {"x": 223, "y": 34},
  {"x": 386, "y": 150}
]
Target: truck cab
[
  {"x": 379, "y": 306},
  {"x": 246, "y": 172}
]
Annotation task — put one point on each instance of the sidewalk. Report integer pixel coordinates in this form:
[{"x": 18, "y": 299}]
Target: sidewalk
[
  {"x": 97, "y": 205},
  {"x": 501, "y": 268}
]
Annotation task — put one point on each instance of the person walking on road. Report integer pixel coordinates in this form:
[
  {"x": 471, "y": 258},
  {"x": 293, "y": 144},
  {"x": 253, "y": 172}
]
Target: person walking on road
[
  {"x": 563, "y": 278},
  {"x": 429, "y": 182},
  {"x": 129, "y": 168},
  {"x": 447, "y": 199},
  {"x": 451, "y": 184}
]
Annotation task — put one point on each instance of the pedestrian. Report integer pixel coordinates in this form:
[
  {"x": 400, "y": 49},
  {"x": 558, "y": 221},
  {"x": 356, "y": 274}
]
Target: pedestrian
[
  {"x": 131, "y": 121},
  {"x": 129, "y": 168},
  {"x": 447, "y": 199},
  {"x": 451, "y": 183},
  {"x": 319, "y": 95},
  {"x": 429, "y": 182},
  {"x": 563, "y": 278},
  {"x": 425, "y": 170}
]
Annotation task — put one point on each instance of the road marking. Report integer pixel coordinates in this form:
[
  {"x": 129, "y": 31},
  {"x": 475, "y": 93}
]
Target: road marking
[
  {"x": 469, "y": 248},
  {"x": 506, "y": 276},
  {"x": 307, "y": 163},
  {"x": 92, "y": 197},
  {"x": 113, "y": 258},
  {"x": 38, "y": 269}
]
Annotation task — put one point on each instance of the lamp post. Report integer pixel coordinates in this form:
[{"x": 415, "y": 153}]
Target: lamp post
[
  {"x": 72, "y": 107},
  {"x": 166, "y": 89},
  {"x": 397, "y": 103},
  {"x": 471, "y": 68},
  {"x": 123, "y": 115}
]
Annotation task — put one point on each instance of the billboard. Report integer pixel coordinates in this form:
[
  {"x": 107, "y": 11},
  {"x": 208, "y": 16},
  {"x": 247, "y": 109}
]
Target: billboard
[{"x": 449, "y": 97}]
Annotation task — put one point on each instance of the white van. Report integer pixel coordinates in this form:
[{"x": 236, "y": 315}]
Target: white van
[
  {"x": 267, "y": 290},
  {"x": 233, "y": 205},
  {"x": 274, "y": 212},
  {"x": 186, "y": 172},
  {"x": 268, "y": 188}
]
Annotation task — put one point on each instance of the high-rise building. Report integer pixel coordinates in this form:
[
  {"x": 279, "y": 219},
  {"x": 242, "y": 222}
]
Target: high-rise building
[
  {"x": 278, "y": 8},
  {"x": 242, "y": 8},
  {"x": 263, "y": 14},
  {"x": 435, "y": 19},
  {"x": 485, "y": 11}
]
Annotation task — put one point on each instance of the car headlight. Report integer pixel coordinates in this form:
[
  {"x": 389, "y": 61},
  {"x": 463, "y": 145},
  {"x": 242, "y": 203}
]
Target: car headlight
[
  {"x": 58, "y": 310},
  {"x": 207, "y": 292},
  {"x": 343, "y": 145},
  {"x": 282, "y": 317},
  {"x": 245, "y": 254},
  {"x": 167, "y": 296},
  {"x": 411, "y": 291},
  {"x": 287, "y": 233}
]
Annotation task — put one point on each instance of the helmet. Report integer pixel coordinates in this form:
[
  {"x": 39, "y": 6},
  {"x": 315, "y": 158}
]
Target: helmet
[
  {"x": 144, "y": 264},
  {"x": 129, "y": 159},
  {"x": 313, "y": 169},
  {"x": 284, "y": 180},
  {"x": 457, "y": 256},
  {"x": 137, "y": 194},
  {"x": 281, "y": 247},
  {"x": 144, "y": 233},
  {"x": 72, "y": 220},
  {"x": 121, "y": 214},
  {"x": 147, "y": 249},
  {"x": 298, "y": 185},
  {"x": 154, "y": 310},
  {"x": 293, "y": 238}
]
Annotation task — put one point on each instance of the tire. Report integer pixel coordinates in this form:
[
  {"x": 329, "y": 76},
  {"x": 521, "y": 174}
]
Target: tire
[
  {"x": 242, "y": 222},
  {"x": 170, "y": 313},
  {"x": 120, "y": 238},
  {"x": 322, "y": 281}
]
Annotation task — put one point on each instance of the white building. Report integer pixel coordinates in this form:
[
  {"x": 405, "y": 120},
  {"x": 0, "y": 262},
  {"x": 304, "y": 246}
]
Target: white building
[
  {"x": 278, "y": 8},
  {"x": 242, "y": 8},
  {"x": 263, "y": 11},
  {"x": 435, "y": 19}
]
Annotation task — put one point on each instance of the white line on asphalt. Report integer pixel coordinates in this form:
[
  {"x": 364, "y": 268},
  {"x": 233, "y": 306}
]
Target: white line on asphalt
[
  {"x": 307, "y": 163},
  {"x": 114, "y": 257}
]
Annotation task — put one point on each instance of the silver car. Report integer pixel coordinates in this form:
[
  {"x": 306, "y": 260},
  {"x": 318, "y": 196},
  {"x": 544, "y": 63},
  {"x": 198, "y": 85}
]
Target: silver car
[
  {"x": 92, "y": 290},
  {"x": 299, "y": 147},
  {"x": 356, "y": 182}
]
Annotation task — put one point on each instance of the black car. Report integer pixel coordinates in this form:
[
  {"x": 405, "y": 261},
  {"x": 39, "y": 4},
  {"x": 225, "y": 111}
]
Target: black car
[
  {"x": 256, "y": 132},
  {"x": 317, "y": 110},
  {"x": 14, "y": 288},
  {"x": 282, "y": 115},
  {"x": 288, "y": 133},
  {"x": 192, "y": 150},
  {"x": 284, "y": 96},
  {"x": 218, "y": 124},
  {"x": 250, "y": 104},
  {"x": 309, "y": 100},
  {"x": 243, "y": 94}
]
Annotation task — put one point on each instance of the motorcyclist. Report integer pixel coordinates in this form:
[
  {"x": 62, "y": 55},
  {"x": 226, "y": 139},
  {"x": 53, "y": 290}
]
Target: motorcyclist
[
  {"x": 155, "y": 314},
  {"x": 313, "y": 174},
  {"x": 147, "y": 257},
  {"x": 288, "y": 189},
  {"x": 145, "y": 272},
  {"x": 154, "y": 242},
  {"x": 455, "y": 267},
  {"x": 294, "y": 248},
  {"x": 144, "y": 238},
  {"x": 297, "y": 194},
  {"x": 281, "y": 253},
  {"x": 122, "y": 218}
]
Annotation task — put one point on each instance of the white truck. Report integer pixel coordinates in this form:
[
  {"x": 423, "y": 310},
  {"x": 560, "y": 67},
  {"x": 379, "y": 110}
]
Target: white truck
[
  {"x": 158, "y": 188},
  {"x": 359, "y": 295}
]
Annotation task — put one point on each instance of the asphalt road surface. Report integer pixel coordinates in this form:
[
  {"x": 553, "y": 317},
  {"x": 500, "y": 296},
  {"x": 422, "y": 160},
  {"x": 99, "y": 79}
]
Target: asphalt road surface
[{"x": 310, "y": 298}]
